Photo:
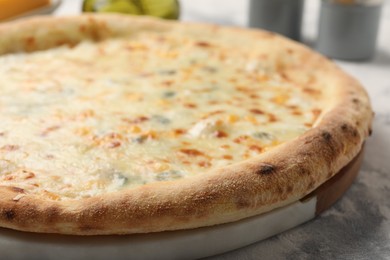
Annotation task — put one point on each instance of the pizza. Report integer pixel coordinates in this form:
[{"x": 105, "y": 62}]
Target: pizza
[{"x": 114, "y": 124}]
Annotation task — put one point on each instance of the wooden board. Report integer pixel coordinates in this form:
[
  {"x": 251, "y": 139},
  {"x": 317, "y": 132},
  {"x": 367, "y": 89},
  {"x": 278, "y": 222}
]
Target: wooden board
[
  {"x": 183, "y": 244},
  {"x": 330, "y": 191}
]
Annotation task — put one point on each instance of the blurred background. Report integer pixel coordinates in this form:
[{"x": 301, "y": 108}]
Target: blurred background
[
  {"x": 226, "y": 12},
  {"x": 358, "y": 234}
]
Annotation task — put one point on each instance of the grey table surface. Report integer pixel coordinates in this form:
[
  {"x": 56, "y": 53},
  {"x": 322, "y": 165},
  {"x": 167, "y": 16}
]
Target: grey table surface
[{"x": 358, "y": 225}]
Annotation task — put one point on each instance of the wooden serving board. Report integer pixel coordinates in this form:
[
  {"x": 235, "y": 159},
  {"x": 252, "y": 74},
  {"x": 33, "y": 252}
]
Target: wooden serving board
[
  {"x": 184, "y": 244},
  {"x": 330, "y": 191}
]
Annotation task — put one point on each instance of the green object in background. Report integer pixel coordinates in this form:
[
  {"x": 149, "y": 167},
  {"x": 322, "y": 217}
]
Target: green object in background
[{"x": 168, "y": 9}]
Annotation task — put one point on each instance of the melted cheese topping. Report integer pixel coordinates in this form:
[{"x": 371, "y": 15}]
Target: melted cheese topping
[{"x": 101, "y": 117}]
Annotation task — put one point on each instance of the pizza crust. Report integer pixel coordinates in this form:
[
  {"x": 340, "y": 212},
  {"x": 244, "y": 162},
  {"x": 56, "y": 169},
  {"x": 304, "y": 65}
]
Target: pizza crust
[{"x": 275, "y": 178}]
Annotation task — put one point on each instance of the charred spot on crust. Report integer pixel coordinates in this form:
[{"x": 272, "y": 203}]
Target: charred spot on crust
[
  {"x": 9, "y": 214},
  {"x": 327, "y": 136},
  {"x": 370, "y": 131},
  {"x": 265, "y": 169},
  {"x": 304, "y": 171},
  {"x": 355, "y": 133},
  {"x": 346, "y": 128},
  {"x": 356, "y": 100},
  {"x": 289, "y": 189}
]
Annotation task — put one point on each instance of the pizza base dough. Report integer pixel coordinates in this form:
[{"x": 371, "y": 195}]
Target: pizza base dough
[{"x": 275, "y": 178}]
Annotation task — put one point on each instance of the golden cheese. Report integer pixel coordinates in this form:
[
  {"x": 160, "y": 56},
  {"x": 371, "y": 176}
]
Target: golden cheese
[{"x": 100, "y": 117}]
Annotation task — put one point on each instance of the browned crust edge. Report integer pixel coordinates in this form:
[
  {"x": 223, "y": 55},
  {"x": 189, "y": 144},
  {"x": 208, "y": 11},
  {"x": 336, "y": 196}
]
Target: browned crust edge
[{"x": 276, "y": 178}]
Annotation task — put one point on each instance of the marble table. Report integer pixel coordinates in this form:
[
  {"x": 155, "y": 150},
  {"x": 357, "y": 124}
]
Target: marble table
[{"x": 358, "y": 226}]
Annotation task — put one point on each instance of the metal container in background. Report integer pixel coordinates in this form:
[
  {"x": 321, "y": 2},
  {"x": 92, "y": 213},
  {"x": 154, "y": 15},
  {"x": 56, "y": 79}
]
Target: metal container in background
[
  {"x": 280, "y": 16},
  {"x": 348, "y": 29}
]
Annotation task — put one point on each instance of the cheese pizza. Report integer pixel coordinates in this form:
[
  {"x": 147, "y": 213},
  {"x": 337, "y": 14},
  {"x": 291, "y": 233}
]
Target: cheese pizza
[{"x": 112, "y": 124}]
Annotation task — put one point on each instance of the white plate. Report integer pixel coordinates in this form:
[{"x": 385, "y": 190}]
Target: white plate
[{"x": 185, "y": 244}]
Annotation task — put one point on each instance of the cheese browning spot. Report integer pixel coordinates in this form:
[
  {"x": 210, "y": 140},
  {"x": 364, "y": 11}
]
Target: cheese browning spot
[
  {"x": 220, "y": 134},
  {"x": 191, "y": 152},
  {"x": 204, "y": 164},
  {"x": 203, "y": 44},
  {"x": 256, "y": 148},
  {"x": 257, "y": 111}
]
